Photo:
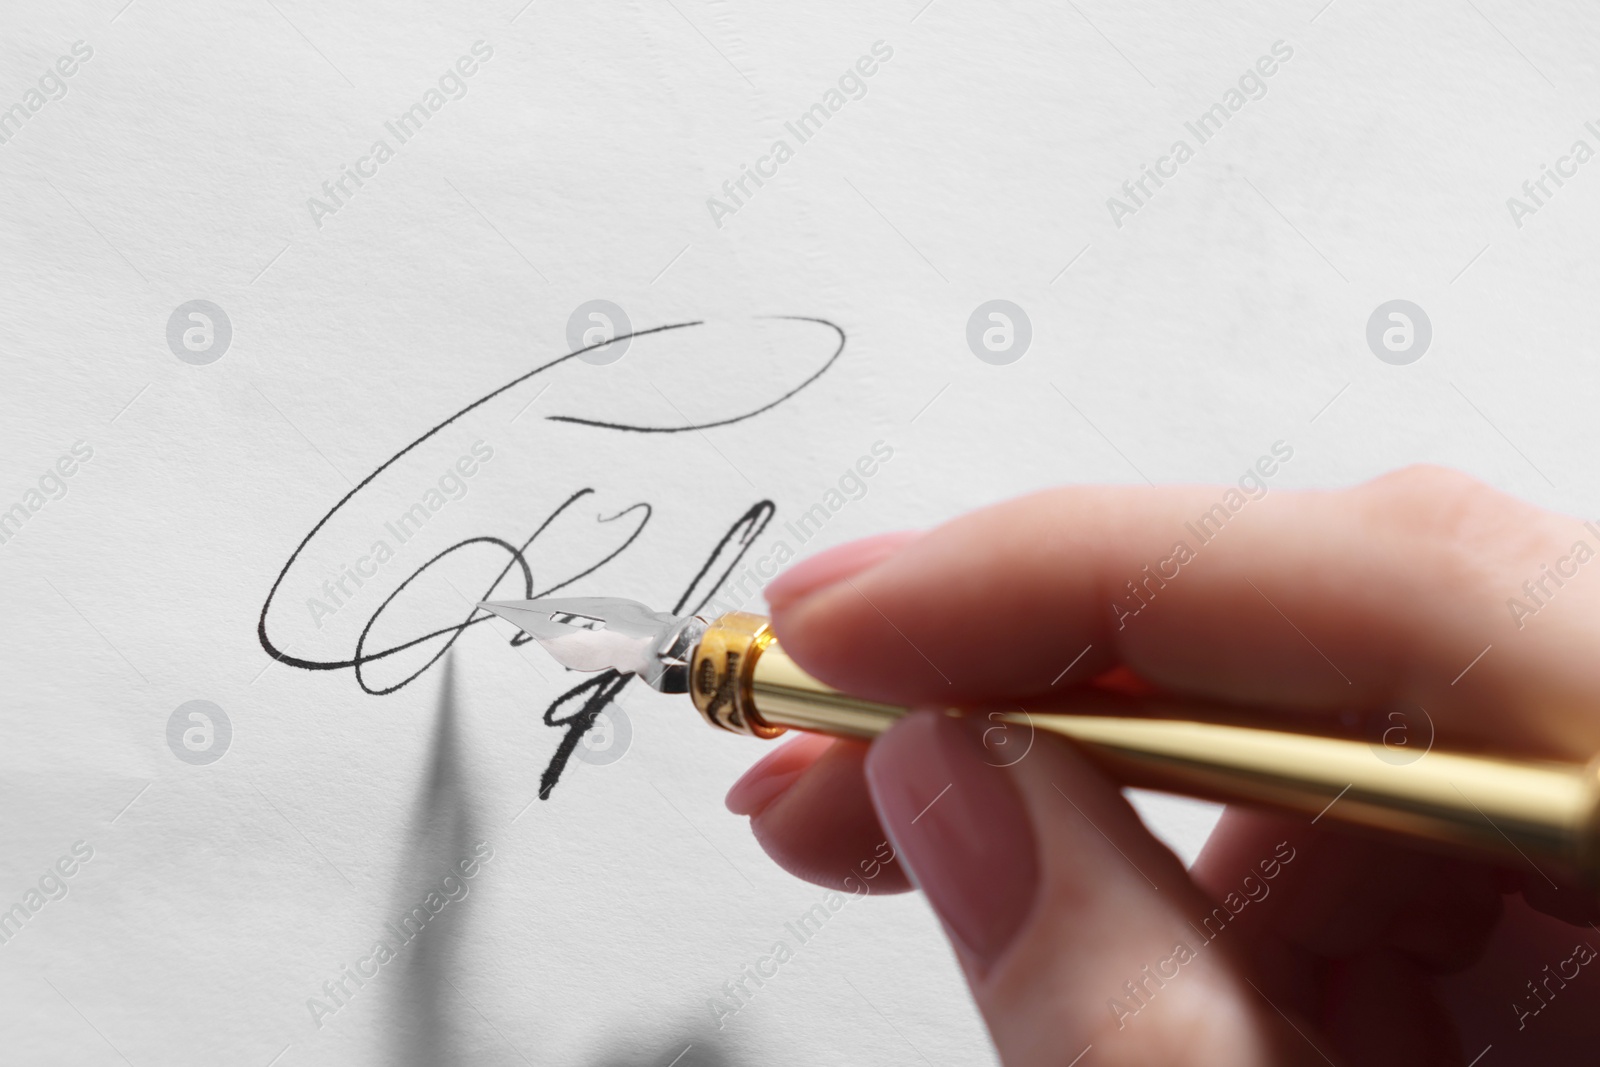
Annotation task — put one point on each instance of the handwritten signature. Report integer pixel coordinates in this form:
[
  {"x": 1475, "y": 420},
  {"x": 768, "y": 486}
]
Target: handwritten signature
[{"x": 575, "y": 710}]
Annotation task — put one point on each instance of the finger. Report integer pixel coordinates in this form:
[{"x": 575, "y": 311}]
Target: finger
[
  {"x": 1324, "y": 601},
  {"x": 821, "y": 834},
  {"x": 771, "y": 775},
  {"x": 835, "y": 565},
  {"x": 1530, "y": 995},
  {"x": 1380, "y": 1009},
  {"x": 1339, "y": 896},
  {"x": 810, "y": 811},
  {"x": 1071, "y": 922}
]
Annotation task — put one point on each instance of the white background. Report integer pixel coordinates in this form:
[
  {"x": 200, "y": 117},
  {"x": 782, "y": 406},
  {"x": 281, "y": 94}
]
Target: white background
[{"x": 1229, "y": 313}]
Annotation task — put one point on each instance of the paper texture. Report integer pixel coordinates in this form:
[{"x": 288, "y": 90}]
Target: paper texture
[{"x": 255, "y": 252}]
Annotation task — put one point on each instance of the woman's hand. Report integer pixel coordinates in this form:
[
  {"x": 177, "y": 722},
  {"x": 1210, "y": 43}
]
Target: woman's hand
[{"x": 1285, "y": 943}]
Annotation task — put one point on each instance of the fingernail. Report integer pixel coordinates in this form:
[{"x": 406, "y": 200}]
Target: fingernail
[
  {"x": 772, "y": 775},
  {"x": 834, "y": 565},
  {"x": 959, "y": 825}
]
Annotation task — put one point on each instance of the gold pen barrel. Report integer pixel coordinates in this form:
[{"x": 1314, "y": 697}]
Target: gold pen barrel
[
  {"x": 1493, "y": 809},
  {"x": 1466, "y": 804}
]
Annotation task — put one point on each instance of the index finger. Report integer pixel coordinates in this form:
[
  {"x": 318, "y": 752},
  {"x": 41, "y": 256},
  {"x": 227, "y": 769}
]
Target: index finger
[{"x": 1391, "y": 593}]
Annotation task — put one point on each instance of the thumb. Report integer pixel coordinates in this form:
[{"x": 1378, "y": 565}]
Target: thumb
[{"x": 1071, "y": 922}]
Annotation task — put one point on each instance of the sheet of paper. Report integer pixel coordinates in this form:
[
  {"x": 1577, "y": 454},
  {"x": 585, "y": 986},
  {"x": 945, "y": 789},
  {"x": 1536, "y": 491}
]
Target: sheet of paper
[{"x": 286, "y": 287}]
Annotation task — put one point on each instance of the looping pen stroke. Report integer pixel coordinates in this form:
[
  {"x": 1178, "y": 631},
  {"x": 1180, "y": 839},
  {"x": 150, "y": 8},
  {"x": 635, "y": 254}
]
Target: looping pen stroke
[{"x": 576, "y": 710}]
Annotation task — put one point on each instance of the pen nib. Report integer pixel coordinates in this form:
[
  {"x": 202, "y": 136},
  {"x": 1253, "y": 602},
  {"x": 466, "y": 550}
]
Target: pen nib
[{"x": 608, "y": 633}]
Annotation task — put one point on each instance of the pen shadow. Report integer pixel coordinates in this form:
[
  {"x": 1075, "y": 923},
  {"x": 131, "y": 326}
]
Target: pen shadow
[
  {"x": 430, "y": 1023},
  {"x": 423, "y": 1028},
  {"x": 692, "y": 1045}
]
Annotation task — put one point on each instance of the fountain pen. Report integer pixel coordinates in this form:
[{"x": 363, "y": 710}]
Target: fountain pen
[{"x": 1511, "y": 812}]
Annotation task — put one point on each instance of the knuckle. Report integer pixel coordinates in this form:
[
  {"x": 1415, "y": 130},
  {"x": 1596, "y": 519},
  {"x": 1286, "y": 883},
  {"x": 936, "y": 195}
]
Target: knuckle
[
  {"x": 1466, "y": 528},
  {"x": 1436, "y": 504},
  {"x": 1428, "y": 485}
]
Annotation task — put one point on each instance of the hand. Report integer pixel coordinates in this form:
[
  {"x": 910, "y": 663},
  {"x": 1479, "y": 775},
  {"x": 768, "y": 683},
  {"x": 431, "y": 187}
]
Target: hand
[{"x": 1285, "y": 943}]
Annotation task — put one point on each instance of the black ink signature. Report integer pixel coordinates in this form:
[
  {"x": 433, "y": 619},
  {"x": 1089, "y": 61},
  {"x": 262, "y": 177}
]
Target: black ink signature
[{"x": 576, "y": 710}]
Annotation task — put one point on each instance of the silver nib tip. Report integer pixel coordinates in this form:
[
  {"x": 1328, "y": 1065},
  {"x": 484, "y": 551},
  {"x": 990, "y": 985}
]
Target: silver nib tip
[{"x": 608, "y": 633}]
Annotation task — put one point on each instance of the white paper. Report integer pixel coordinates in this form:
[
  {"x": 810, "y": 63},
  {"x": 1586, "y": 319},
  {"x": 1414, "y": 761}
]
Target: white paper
[{"x": 579, "y": 162}]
